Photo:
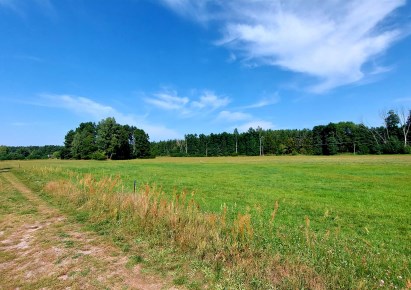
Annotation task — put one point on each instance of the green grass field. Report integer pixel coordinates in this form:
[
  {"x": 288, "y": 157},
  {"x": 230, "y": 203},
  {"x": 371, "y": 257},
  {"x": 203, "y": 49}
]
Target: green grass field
[{"x": 340, "y": 222}]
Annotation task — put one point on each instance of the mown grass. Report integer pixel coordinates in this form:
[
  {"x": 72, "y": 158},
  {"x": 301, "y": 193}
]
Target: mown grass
[{"x": 340, "y": 222}]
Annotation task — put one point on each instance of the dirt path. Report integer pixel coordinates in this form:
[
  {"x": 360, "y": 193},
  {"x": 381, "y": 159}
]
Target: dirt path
[{"x": 39, "y": 248}]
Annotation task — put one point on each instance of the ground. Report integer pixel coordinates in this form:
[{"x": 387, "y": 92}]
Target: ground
[{"x": 41, "y": 248}]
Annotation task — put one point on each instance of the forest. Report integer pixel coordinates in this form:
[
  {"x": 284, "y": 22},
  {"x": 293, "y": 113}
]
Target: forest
[
  {"x": 109, "y": 140},
  {"x": 331, "y": 139}
]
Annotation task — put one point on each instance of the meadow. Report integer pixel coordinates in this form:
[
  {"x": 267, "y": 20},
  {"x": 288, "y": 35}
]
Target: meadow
[{"x": 245, "y": 222}]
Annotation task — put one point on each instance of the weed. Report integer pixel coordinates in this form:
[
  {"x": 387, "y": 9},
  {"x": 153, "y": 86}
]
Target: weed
[{"x": 181, "y": 280}]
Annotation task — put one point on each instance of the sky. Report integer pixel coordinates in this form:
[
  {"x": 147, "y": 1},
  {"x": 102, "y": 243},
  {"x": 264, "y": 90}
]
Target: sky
[{"x": 176, "y": 67}]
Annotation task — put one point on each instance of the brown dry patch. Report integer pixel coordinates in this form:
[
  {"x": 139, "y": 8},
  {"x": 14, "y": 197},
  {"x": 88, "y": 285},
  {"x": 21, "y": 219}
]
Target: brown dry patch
[{"x": 44, "y": 250}]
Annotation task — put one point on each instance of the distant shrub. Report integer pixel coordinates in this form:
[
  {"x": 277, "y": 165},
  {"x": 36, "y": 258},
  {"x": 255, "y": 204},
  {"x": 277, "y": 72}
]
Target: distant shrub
[{"x": 98, "y": 155}]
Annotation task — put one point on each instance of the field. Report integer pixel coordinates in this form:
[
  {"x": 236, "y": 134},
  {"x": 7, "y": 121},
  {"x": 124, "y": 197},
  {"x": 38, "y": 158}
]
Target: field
[{"x": 243, "y": 222}]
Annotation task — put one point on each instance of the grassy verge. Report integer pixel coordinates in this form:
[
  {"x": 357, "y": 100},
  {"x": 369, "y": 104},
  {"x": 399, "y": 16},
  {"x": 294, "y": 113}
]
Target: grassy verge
[
  {"x": 40, "y": 248},
  {"x": 343, "y": 223}
]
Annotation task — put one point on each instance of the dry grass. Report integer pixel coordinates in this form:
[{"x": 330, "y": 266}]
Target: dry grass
[
  {"x": 41, "y": 249},
  {"x": 231, "y": 247}
]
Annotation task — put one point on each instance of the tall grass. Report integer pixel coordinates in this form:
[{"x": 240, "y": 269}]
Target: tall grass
[{"x": 244, "y": 249}]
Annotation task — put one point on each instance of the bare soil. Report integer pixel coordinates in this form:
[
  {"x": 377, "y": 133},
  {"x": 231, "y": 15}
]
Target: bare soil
[{"x": 44, "y": 250}]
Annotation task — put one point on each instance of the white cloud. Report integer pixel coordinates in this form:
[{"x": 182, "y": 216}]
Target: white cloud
[
  {"x": 206, "y": 102},
  {"x": 328, "y": 40},
  {"x": 233, "y": 116},
  {"x": 81, "y": 105},
  {"x": 98, "y": 111},
  {"x": 211, "y": 101},
  {"x": 167, "y": 101},
  {"x": 264, "y": 102}
]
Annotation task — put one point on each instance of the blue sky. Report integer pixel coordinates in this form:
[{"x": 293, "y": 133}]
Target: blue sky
[{"x": 173, "y": 67}]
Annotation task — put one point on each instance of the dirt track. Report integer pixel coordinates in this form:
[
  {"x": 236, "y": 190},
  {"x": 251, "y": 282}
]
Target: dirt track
[{"x": 42, "y": 249}]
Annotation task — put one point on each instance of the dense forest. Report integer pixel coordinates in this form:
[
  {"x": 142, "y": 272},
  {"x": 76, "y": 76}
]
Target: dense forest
[
  {"x": 331, "y": 139},
  {"x": 110, "y": 140},
  {"x": 29, "y": 152}
]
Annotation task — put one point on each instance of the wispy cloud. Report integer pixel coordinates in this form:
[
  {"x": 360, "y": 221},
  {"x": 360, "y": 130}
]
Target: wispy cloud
[
  {"x": 28, "y": 57},
  {"x": 11, "y": 4},
  {"x": 22, "y": 7},
  {"x": 328, "y": 40},
  {"x": 209, "y": 100},
  {"x": 168, "y": 101},
  {"x": 228, "y": 116},
  {"x": 7, "y": 3},
  {"x": 264, "y": 102},
  {"x": 82, "y": 105},
  {"x": 206, "y": 102},
  {"x": 97, "y": 111},
  {"x": 193, "y": 9}
]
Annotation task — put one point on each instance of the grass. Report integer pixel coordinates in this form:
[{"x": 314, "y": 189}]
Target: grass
[{"x": 312, "y": 222}]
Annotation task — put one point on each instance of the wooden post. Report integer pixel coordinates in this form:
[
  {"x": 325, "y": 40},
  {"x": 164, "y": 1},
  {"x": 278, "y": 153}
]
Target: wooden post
[{"x": 135, "y": 182}]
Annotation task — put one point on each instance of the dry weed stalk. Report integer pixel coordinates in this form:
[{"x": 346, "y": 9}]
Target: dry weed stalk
[
  {"x": 178, "y": 220},
  {"x": 274, "y": 213}
]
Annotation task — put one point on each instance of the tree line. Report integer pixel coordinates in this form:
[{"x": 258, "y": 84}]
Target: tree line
[
  {"x": 29, "y": 152},
  {"x": 335, "y": 138},
  {"x": 109, "y": 140}
]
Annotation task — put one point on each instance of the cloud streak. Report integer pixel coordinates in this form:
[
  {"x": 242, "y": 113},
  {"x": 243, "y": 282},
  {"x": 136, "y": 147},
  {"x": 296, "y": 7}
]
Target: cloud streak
[
  {"x": 98, "y": 111},
  {"x": 264, "y": 102},
  {"x": 328, "y": 40},
  {"x": 228, "y": 116},
  {"x": 167, "y": 101},
  {"x": 21, "y": 7},
  {"x": 207, "y": 102}
]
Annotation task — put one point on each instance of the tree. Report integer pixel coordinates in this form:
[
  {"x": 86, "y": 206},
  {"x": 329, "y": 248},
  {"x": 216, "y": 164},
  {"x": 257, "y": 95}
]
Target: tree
[
  {"x": 66, "y": 152},
  {"x": 236, "y": 140},
  {"x": 260, "y": 139},
  {"x": 108, "y": 137},
  {"x": 84, "y": 144},
  {"x": 4, "y": 152},
  {"x": 405, "y": 123},
  {"x": 318, "y": 143},
  {"x": 141, "y": 144},
  {"x": 203, "y": 144}
]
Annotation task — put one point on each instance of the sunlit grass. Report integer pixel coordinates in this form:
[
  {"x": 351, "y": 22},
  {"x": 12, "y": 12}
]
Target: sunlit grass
[{"x": 341, "y": 221}]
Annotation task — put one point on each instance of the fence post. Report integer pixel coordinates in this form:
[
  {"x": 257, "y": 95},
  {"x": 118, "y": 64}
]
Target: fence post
[{"x": 134, "y": 186}]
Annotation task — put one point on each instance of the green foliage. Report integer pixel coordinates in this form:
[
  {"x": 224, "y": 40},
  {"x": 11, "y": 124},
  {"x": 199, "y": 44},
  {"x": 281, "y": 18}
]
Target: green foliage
[
  {"x": 140, "y": 144},
  {"x": 108, "y": 137},
  {"x": 83, "y": 144},
  {"x": 28, "y": 152},
  {"x": 106, "y": 140},
  {"x": 98, "y": 155},
  {"x": 126, "y": 142}
]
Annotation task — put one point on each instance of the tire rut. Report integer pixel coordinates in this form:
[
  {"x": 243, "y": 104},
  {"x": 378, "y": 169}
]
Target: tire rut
[{"x": 45, "y": 250}]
